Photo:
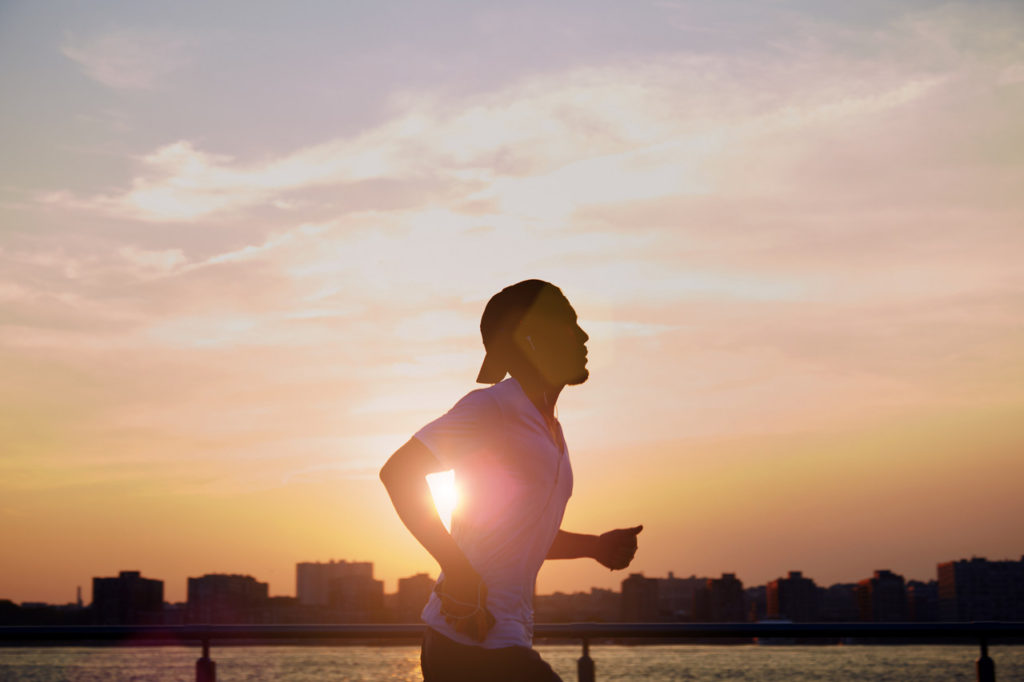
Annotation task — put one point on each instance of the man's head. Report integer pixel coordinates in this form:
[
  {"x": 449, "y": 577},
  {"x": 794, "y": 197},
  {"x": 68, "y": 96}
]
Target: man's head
[{"x": 531, "y": 327}]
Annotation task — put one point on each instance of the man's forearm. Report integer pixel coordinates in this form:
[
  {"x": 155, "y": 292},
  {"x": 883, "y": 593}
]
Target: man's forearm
[
  {"x": 404, "y": 477},
  {"x": 573, "y": 546},
  {"x": 416, "y": 510},
  {"x": 614, "y": 549}
]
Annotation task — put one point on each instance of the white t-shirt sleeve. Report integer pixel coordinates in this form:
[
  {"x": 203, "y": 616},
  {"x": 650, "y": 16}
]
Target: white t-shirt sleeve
[{"x": 464, "y": 431}]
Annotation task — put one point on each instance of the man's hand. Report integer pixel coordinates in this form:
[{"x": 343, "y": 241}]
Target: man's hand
[
  {"x": 462, "y": 582},
  {"x": 616, "y": 548}
]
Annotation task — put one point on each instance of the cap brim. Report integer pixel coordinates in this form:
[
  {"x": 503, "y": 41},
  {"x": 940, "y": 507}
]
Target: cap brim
[{"x": 491, "y": 371}]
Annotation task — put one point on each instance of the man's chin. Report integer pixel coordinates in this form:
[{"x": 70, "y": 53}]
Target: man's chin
[{"x": 579, "y": 379}]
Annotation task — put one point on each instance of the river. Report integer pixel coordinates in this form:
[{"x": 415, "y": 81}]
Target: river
[{"x": 614, "y": 663}]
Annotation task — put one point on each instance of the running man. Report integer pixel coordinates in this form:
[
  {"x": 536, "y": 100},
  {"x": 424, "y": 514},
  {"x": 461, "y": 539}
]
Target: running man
[{"x": 512, "y": 468}]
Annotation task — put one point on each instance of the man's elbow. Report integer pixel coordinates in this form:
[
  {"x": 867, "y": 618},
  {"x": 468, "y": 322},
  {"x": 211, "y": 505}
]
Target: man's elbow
[
  {"x": 395, "y": 468},
  {"x": 410, "y": 462},
  {"x": 387, "y": 474}
]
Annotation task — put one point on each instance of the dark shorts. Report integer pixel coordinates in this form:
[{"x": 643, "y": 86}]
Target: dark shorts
[{"x": 446, "y": 661}]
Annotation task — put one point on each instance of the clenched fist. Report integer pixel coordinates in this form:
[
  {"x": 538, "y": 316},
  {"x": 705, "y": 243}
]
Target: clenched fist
[{"x": 616, "y": 548}]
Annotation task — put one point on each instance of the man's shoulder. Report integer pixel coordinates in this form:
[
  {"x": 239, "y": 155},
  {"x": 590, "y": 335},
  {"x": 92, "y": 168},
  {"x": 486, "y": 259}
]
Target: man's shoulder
[
  {"x": 505, "y": 396},
  {"x": 504, "y": 392}
]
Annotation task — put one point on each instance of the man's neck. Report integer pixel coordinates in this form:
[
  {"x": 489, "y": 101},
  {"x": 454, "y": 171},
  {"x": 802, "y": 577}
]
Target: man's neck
[{"x": 542, "y": 394}]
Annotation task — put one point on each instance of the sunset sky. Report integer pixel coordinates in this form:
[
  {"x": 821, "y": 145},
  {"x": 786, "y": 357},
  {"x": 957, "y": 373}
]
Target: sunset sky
[{"x": 244, "y": 247}]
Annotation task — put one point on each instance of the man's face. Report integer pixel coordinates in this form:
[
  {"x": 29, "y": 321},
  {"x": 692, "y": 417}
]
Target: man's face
[{"x": 559, "y": 350}]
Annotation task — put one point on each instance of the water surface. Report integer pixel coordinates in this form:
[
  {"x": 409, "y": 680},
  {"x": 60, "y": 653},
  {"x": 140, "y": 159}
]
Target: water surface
[{"x": 614, "y": 663}]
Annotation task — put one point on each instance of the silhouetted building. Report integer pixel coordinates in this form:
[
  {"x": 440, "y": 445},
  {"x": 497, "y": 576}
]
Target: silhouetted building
[
  {"x": 838, "y": 603},
  {"x": 38, "y": 613},
  {"x": 284, "y": 610},
  {"x": 922, "y": 601},
  {"x": 882, "y": 598},
  {"x": 313, "y": 579},
  {"x": 978, "y": 589},
  {"x": 128, "y": 599},
  {"x": 413, "y": 593},
  {"x": 639, "y": 602},
  {"x": 676, "y": 597},
  {"x": 10, "y": 613},
  {"x": 355, "y": 599},
  {"x": 794, "y": 598},
  {"x": 175, "y": 614},
  {"x": 220, "y": 598},
  {"x": 598, "y": 605},
  {"x": 721, "y": 600},
  {"x": 756, "y": 599},
  {"x": 559, "y": 607},
  {"x": 603, "y": 606}
]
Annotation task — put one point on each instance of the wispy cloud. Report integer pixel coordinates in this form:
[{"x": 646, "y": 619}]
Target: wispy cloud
[
  {"x": 673, "y": 126},
  {"x": 594, "y": 135},
  {"x": 159, "y": 261},
  {"x": 128, "y": 59}
]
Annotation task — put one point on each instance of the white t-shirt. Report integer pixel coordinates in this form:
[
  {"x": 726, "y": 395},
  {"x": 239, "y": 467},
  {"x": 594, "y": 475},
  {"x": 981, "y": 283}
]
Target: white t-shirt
[{"x": 513, "y": 484}]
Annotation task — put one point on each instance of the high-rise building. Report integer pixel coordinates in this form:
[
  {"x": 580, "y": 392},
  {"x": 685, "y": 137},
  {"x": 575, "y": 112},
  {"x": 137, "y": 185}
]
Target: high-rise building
[
  {"x": 128, "y": 599},
  {"x": 639, "y": 603},
  {"x": 313, "y": 580},
  {"x": 340, "y": 591},
  {"x": 794, "y": 598},
  {"x": 882, "y": 598},
  {"x": 978, "y": 589},
  {"x": 356, "y": 599},
  {"x": 721, "y": 600},
  {"x": 838, "y": 603},
  {"x": 220, "y": 598},
  {"x": 756, "y": 599},
  {"x": 413, "y": 593},
  {"x": 676, "y": 597},
  {"x": 922, "y": 601}
]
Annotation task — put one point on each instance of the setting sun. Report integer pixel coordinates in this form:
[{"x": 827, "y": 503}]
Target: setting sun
[{"x": 442, "y": 487}]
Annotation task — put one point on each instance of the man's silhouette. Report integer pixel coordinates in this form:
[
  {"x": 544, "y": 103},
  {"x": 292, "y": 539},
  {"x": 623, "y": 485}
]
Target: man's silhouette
[{"x": 512, "y": 468}]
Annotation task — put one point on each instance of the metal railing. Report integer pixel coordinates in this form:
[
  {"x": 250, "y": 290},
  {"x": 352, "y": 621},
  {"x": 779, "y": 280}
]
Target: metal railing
[{"x": 204, "y": 635}]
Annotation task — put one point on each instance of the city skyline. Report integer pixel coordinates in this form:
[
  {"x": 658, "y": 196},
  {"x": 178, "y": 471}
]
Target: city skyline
[
  {"x": 244, "y": 250},
  {"x": 365, "y": 569},
  {"x": 973, "y": 589}
]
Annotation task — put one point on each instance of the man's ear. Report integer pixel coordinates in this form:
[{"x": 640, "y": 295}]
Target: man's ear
[{"x": 524, "y": 343}]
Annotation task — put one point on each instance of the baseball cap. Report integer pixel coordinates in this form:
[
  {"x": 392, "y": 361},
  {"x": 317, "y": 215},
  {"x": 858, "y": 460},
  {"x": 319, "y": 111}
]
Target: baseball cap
[{"x": 502, "y": 316}]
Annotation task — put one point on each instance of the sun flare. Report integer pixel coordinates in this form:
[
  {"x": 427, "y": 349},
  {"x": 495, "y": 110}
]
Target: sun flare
[{"x": 442, "y": 487}]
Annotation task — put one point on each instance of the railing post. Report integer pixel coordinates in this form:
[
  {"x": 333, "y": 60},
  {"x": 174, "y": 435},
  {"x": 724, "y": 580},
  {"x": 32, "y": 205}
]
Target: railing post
[
  {"x": 585, "y": 666},
  {"x": 206, "y": 669},
  {"x": 985, "y": 666}
]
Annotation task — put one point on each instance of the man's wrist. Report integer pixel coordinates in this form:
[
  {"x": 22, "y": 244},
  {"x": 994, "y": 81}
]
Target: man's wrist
[{"x": 458, "y": 567}]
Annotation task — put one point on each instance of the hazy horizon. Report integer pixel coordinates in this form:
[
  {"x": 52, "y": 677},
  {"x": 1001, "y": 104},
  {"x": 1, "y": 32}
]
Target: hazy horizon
[{"x": 244, "y": 248}]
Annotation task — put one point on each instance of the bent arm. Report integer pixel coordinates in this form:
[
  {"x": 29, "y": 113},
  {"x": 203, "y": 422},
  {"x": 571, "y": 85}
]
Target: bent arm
[
  {"x": 614, "y": 549},
  {"x": 573, "y": 546},
  {"x": 405, "y": 477}
]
